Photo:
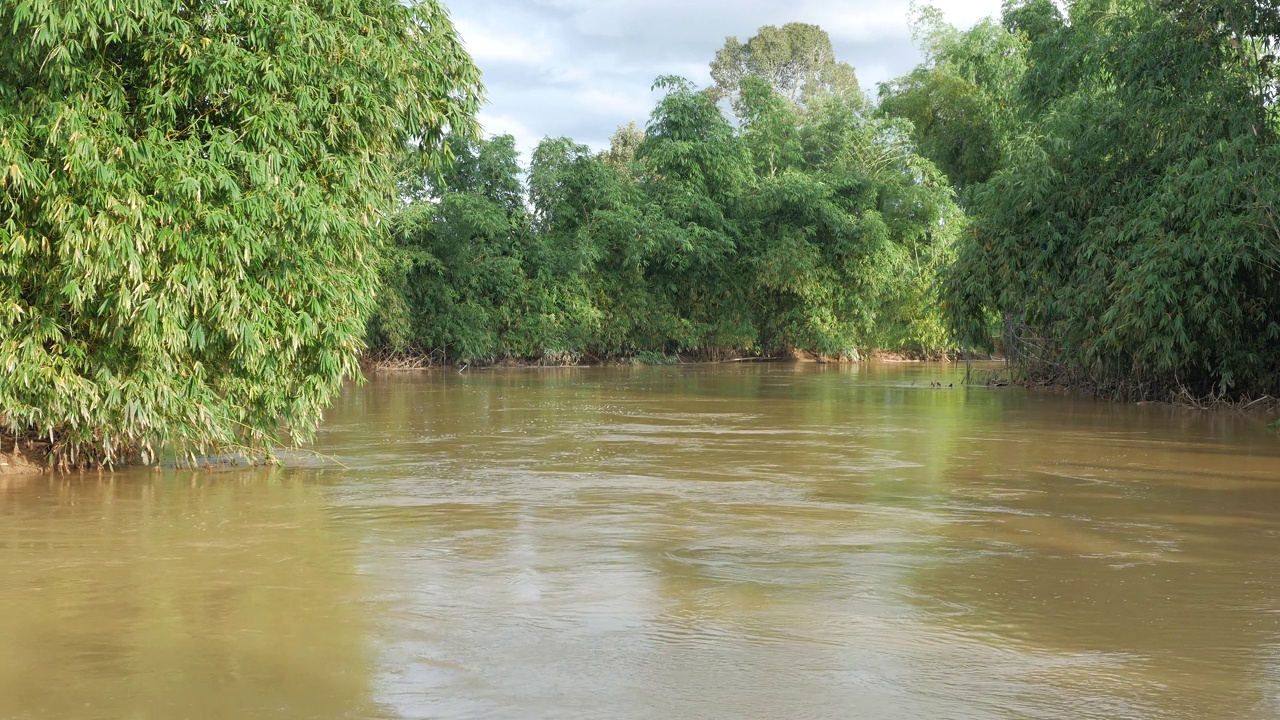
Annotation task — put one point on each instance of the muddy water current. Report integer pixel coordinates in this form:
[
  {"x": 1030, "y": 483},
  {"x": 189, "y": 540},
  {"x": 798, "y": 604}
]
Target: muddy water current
[{"x": 731, "y": 541}]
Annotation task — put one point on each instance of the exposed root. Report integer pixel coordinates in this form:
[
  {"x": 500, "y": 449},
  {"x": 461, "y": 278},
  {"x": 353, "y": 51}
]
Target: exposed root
[
  {"x": 16, "y": 458},
  {"x": 1035, "y": 365},
  {"x": 388, "y": 361},
  {"x": 1186, "y": 398},
  {"x": 52, "y": 450},
  {"x": 1006, "y": 376}
]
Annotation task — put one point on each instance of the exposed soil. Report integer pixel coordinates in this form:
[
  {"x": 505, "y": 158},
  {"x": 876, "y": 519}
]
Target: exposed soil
[{"x": 18, "y": 462}]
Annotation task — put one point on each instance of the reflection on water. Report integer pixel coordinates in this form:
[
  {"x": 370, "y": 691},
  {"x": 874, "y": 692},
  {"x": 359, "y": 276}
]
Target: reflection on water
[
  {"x": 714, "y": 542},
  {"x": 170, "y": 596}
]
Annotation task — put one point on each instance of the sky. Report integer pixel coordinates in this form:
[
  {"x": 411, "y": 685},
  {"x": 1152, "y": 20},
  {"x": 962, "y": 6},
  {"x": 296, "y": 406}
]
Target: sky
[{"x": 581, "y": 68}]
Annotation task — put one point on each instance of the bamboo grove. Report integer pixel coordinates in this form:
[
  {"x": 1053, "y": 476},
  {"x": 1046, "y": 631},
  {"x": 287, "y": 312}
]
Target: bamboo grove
[
  {"x": 210, "y": 211},
  {"x": 1118, "y": 164},
  {"x": 190, "y": 201}
]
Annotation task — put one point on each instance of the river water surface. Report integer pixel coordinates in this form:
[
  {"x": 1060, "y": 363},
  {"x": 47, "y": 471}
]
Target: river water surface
[{"x": 733, "y": 541}]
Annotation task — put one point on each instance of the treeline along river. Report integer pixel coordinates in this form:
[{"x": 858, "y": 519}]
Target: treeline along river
[{"x": 731, "y": 541}]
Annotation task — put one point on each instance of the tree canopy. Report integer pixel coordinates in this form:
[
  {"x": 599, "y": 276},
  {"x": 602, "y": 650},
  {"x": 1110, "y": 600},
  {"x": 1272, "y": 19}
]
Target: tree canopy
[
  {"x": 1123, "y": 229},
  {"x": 191, "y": 200},
  {"x": 806, "y": 226},
  {"x": 796, "y": 60},
  {"x": 962, "y": 102}
]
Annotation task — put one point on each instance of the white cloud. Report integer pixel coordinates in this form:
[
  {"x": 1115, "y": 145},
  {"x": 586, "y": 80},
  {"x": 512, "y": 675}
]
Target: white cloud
[
  {"x": 488, "y": 44},
  {"x": 526, "y": 137}
]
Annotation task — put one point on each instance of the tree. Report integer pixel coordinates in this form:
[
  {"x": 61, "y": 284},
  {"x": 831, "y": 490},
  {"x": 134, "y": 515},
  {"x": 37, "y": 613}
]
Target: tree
[
  {"x": 696, "y": 170},
  {"x": 453, "y": 275},
  {"x": 807, "y": 226},
  {"x": 770, "y": 128},
  {"x": 963, "y": 100},
  {"x": 622, "y": 148},
  {"x": 1130, "y": 241},
  {"x": 590, "y": 251},
  {"x": 191, "y": 198},
  {"x": 845, "y": 227},
  {"x": 796, "y": 60}
]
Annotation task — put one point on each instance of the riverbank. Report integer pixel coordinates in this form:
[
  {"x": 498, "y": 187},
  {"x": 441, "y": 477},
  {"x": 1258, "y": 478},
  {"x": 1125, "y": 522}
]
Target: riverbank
[
  {"x": 15, "y": 461},
  {"x": 1009, "y": 376},
  {"x": 396, "y": 362}
]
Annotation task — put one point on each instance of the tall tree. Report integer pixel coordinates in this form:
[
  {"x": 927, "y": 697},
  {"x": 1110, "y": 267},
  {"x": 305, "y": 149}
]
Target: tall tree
[
  {"x": 809, "y": 226},
  {"x": 452, "y": 274},
  {"x": 962, "y": 100},
  {"x": 845, "y": 227},
  {"x": 696, "y": 170},
  {"x": 796, "y": 60},
  {"x": 622, "y": 148},
  {"x": 191, "y": 197}
]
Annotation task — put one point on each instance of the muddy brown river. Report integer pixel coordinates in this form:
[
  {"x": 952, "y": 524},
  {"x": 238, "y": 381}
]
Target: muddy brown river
[{"x": 731, "y": 541}]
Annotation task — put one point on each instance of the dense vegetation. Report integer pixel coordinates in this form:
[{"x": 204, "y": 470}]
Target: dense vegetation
[
  {"x": 802, "y": 221},
  {"x": 190, "y": 201},
  {"x": 1119, "y": 166},
  {"x": 1115, "y": 164},
  {"x": 194, "y": 201},
  {"x": 1090, "y": 191}
]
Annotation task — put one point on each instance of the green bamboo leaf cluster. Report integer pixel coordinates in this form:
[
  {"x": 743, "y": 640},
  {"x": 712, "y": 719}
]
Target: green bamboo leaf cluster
[
  {"x": 1124, "y": 234},
  {"x": 191, "y": 201}
]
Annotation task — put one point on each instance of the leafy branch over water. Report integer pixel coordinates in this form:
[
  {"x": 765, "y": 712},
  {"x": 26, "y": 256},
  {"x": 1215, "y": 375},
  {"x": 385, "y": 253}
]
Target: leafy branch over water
[{"x": 191, "y": 201}]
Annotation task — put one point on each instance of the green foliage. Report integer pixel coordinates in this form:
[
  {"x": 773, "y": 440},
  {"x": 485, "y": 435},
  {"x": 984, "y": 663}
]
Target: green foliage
[
  {"x": 962, "y": 102},
  {"x": 649, "y": 357},
  {"x": 1130, "y": 239},
  {"x": 809, "y": 226},
  {"x": 190, "y": 206},
  {"x": 796, "y": 60},
  {"x": 622, "y": 148},
  {"x": 458, "y": 254},
  {"x": 696, "y": 171},
  {"x": 847, "y": 241}
]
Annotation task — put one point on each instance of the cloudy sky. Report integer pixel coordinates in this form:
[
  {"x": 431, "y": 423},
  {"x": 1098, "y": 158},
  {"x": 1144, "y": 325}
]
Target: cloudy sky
[{"x": 581, "y": 68}]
